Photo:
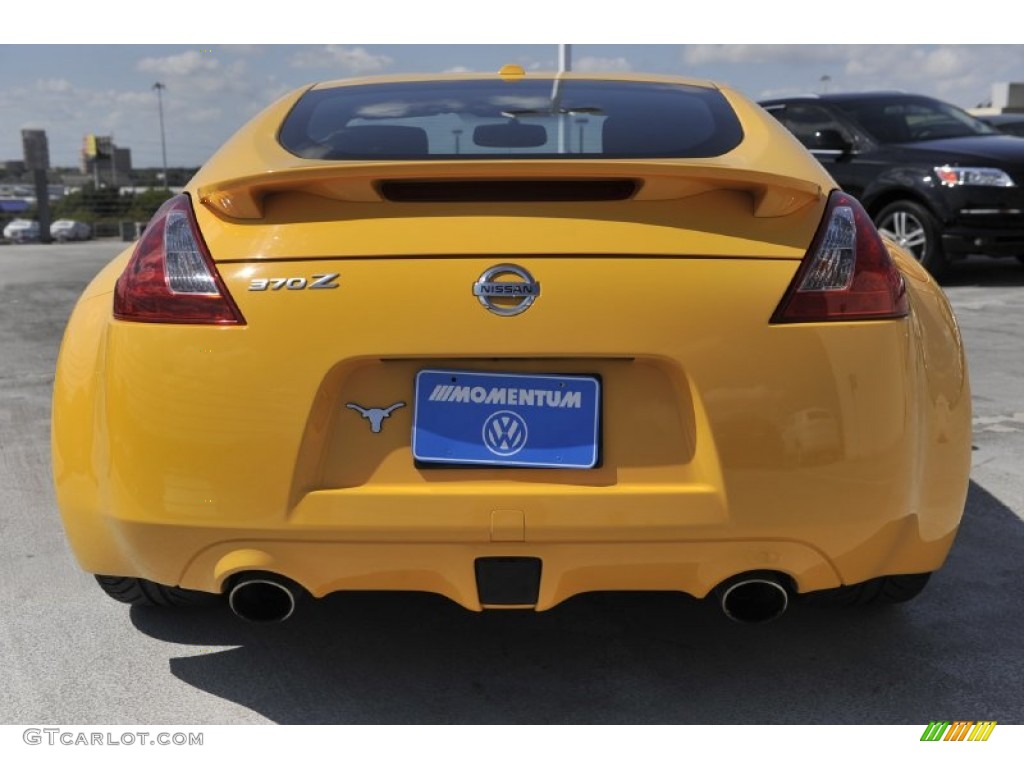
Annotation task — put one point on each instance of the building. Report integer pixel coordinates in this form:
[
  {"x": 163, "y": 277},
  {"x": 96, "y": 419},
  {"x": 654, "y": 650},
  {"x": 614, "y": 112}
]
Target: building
[
  {"x": 104, "y": 162},
  {"x": 1006, "y": 98}
]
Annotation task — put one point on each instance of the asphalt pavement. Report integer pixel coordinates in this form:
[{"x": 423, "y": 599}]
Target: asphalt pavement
[{"x": 69, "y": 654}]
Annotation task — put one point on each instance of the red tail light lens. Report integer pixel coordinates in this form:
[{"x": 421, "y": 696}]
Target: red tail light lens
[
  {"x": 171, "y": 277},
  {"x": 847, "y": 273}
]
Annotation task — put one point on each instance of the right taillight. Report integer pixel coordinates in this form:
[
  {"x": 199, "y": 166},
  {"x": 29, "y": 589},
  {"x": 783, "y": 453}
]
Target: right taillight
[
  {"x": 847, "y": 273},
  {"x": 171, "y": 277}
]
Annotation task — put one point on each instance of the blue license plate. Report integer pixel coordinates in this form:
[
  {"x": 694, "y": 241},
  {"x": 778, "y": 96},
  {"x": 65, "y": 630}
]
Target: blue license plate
[{"x": 508, "y": 420}]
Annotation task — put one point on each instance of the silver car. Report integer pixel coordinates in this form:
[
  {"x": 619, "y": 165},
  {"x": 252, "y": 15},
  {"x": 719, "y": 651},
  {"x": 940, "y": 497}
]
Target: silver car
[
  {"x": 22, "y": 231},
  {"x": 64, "y": 230}
]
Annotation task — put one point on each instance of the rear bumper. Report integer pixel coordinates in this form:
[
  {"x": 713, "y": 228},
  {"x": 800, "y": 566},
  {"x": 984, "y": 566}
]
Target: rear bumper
[
  {"x": 567, "y": 569},
  {"x": 967, "y": 239},
  {"x": 602, "y": 540},
  {"x": 983, "y": 220}
]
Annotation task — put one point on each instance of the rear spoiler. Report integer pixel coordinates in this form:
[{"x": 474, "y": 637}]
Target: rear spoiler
[{"x": 772, "y": 194}]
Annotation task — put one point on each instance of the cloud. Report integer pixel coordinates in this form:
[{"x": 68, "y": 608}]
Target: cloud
[
  {"x": 180, "y": 65},
  {"x": 240, "y": 49},
  {"x": 203, "y": 105},
  {"x": 961, "y": 73},
  {"x": 908, "y": 62},
  {"x": 53, "y": 85},
  {"x": 204, "y": 115},
  {"x": 353, "y": 61},
  {"x": 599, "y": 64},
  {"x": 944, "y": 62},
  {"x": 699, "y": 55}
]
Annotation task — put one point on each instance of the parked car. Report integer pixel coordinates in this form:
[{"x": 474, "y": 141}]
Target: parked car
[
  {"x": 941, "y": 182},
  {"x": 1008, "y": 122},
  {"x": 510, "y": 339},
  {"x": 64, "y": 230},
  {"x": 22, "y": 231}
]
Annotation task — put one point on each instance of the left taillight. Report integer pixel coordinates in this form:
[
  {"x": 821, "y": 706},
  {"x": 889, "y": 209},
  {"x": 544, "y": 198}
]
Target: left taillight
[
  {"x": 847, "y": 273},
  {"x": 171, "y": 277}
]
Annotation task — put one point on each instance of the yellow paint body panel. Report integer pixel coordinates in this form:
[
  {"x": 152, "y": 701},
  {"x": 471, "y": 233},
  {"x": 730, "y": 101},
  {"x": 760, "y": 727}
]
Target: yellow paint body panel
[{"x": 831, "y": 452}]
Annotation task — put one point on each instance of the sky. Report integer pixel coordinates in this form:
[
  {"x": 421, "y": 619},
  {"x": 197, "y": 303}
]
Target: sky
[{"x": 105, "y": 86}]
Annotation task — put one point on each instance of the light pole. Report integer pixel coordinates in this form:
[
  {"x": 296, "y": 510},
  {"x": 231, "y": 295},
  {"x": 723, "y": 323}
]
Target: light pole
[
  {"x": 581, "y": 122},
  {"x": 159, "y": 88},
  {"x": 564, "y": 57},
  {"x": 564, "y": 65}
]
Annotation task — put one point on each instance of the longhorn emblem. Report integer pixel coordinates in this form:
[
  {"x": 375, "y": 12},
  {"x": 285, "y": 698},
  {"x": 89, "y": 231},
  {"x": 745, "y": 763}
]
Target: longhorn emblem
[{"x": 375, "y": 415}]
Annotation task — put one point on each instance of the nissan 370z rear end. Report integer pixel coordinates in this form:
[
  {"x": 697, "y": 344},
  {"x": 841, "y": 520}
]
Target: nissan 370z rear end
[{"x": 509, "y": 340}]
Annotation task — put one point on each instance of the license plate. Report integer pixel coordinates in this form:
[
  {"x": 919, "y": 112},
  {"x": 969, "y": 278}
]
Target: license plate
[{"x": 509, "y": 420}]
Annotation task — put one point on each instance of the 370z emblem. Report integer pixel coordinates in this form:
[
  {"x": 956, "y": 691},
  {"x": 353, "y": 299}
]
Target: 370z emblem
[{"x": 314, "y": 283}]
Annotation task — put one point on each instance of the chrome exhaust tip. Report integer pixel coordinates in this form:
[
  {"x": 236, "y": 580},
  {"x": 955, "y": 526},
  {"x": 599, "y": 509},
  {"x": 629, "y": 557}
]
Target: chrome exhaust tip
[
  {"x": 261, "y": 600},
  {"x": 754, "y": 599}
]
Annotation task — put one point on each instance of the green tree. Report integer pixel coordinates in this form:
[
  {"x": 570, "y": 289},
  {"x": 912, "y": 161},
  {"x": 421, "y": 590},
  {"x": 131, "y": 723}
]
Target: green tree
[
  {"x": 91, "y": 205},
  {"x": 144, "y": 204}
]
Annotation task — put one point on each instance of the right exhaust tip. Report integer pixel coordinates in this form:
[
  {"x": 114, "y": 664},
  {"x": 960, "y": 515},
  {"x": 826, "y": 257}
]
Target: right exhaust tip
[
  {"x": 754, "y": 600},
  {"x": 261, "y": 600}
]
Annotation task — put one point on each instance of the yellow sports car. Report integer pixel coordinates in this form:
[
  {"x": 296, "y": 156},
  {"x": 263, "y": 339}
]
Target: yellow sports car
[{"x": 511, "y": 338}]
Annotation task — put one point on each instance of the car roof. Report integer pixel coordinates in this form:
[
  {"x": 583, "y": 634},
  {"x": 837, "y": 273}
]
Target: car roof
[{"x": 841, "y": 97}]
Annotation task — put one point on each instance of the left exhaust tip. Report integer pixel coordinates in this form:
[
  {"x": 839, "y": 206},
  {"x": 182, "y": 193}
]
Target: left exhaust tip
[
  {"x": 754, "y": 599},
  {"x": 262, "y": 599}
]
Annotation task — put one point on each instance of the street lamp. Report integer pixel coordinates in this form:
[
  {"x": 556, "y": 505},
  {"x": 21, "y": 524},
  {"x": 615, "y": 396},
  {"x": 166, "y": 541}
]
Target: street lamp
[{"x": 159, "y": 88}]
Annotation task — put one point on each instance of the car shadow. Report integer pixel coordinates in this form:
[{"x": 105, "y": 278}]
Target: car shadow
[{"x": 956, "y": 652}]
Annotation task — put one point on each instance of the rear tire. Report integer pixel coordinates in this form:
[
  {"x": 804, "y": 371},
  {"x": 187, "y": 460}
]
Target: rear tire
[
  {"x": 885, "y": 590},
  {"x": 126, "y": 589},
  {"x": 915, "y": 229}
]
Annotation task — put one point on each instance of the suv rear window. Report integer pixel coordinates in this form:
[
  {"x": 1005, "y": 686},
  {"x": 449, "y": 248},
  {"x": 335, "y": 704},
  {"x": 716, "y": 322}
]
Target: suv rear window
[{"x": 544, "y": 118}]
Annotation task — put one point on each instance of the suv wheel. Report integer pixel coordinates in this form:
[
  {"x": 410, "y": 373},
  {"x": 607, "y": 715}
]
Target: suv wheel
[{"x": 914, "y": 228}]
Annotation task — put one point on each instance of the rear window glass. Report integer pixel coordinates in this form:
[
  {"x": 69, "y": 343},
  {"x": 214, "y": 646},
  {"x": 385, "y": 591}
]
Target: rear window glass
[{"x": 470, "y": 119}]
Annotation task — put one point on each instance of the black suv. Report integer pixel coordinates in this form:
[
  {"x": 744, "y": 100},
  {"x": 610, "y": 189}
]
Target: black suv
[{"x": 940, "y": 182}]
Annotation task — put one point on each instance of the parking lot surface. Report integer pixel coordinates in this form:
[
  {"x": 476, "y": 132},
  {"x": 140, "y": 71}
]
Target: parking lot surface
[{"x": 72, "y": 655}]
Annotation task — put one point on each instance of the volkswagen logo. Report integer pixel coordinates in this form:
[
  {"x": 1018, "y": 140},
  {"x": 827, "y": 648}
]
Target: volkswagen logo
[
  {"x": 505, "y": 433},
  {"x": 506, "y": 289}
]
